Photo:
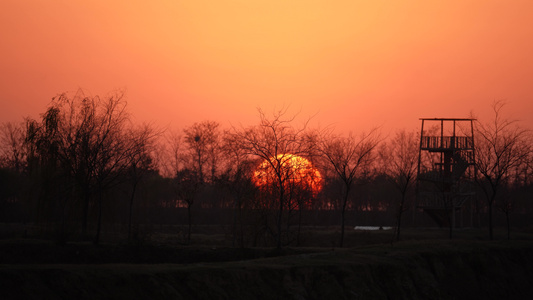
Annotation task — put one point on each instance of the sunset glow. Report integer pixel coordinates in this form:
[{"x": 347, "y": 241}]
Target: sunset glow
[
  {"x": 296, "y": 171},
  {"x": 351, "y": 64}
]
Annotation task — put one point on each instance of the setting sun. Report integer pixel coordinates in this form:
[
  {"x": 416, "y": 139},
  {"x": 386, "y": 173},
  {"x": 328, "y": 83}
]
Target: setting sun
[{"x": 295, "y": 171}]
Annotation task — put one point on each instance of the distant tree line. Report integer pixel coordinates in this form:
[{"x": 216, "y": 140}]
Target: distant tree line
[{"x": 84, "y": 168}]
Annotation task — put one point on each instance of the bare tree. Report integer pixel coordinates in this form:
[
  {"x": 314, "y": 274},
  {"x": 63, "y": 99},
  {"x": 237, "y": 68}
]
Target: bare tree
[
  {"x": 198, "y": 162},
  {"x": 15, "y": 189},
  {"x": 501, "y": 145},
  {"x": 347, "y": 156},
  {"x": 46, "y": 168},
  {"x": 303, "y": 188},
  {"x": 113, "y": 150},
  {"x": 12, "y": 150},
  {"x": 180, "y": 163},
  {"x": 274, "y": 141},
  {"x": 302, "y": 183},
  {"x": 170, "y": 153},
  {"x": 142, "y": 143},
  {"x": 204, "y": 146},
  {"x": 83, "y": 139},
  {"x": 186, "y": 187},
  {"x": 399, "y": 158},
  {"x": 236, "y": 178}
]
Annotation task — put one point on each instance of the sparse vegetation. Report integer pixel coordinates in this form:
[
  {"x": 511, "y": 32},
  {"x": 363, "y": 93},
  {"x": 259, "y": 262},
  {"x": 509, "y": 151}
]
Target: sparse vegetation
[
  {"x": 424, "y": 265},
  {"x": 182, "y": 215}
]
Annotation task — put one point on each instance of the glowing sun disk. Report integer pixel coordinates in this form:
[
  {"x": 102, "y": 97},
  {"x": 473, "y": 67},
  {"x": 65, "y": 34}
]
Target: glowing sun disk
[{"x": 294, "y": 170}]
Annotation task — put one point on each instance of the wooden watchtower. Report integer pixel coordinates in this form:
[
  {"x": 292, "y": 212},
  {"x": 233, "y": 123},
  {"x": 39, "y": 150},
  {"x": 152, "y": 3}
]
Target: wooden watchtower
[{"x": 446, "y": 168}]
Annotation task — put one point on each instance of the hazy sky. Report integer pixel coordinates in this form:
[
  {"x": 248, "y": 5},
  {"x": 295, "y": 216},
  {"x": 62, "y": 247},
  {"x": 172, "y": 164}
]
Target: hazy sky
[{"x": 353, "y": 64}]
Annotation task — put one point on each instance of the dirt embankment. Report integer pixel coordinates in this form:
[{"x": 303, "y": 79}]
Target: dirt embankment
[{"x": 413, "y": 270}]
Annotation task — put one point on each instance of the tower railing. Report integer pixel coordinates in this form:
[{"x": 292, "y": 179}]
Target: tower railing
[{"x": 446, "y": 142}]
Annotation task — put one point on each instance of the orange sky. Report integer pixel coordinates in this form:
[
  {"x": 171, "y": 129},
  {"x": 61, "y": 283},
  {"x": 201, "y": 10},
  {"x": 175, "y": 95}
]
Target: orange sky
[{"x": 353, "y": 64}]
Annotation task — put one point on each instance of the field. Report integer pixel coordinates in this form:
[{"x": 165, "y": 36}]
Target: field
[{"x": 424, "y": 265}]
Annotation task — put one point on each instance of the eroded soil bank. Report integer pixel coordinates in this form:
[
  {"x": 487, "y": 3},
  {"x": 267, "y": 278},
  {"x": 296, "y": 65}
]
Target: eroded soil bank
[{"x": 410, "y": 270}]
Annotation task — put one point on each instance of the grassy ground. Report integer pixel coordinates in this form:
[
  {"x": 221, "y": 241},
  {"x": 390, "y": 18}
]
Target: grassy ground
[
  {"x": 431, "y": 269},
  {"x": 425, "y": 264},
  {"x": 212, "y": 244}
]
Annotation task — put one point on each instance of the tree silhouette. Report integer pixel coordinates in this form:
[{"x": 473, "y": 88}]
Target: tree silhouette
[
  {"x": 46, "y": 162},
  {"x": 14, "y": 183},
  {"x": 12, "y": 148},
  {"x": 83, "y": 142},
  {"x": 347, "y": 156},
  {"x": 302, "y": 183},
  {"x": 273, "y": 141},
  {"x": 501, "y": 145},
  {"x": 170, "y": 153},
  {"x": 203, "y": 143},
  {"x": 236, "y": 180},
  {"x": 399, "y": 158},
  {"x": 186, "y": 187},
  {"x": 142, "y": 141}
]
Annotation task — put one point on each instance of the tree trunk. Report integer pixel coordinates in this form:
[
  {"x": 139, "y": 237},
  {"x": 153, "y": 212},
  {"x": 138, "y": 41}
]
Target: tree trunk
[
  {"x": 234, "y": 229},
  {"x": 508, "y": 224},
  {"x": 189, "y": 217},
  {"x": 238, "y": 234},
  {"x": 399, "y": 223},
  {"x": 451, "y": 220},
  {"x": 280, "y": 218},
  {"x": 99, "y": 220},
  {"x": 131, "y": 210},
  {"x": 241, "y": 223},
  {"x": 62, "y": 229},
  {"x": 85, "y": 213},
  {"x": 344, "y": 202},
  {"x": 299, "y": 226},
  {"x": 400, "y": 212},
  {"x": 491, "y": 235}
]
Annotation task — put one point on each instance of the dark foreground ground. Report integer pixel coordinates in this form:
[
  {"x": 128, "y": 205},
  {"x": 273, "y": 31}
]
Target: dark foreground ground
[{"x": 431, "y": 268}]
